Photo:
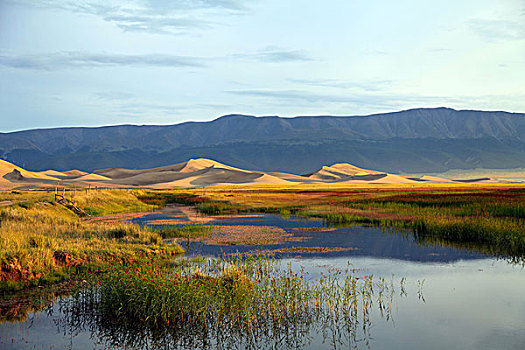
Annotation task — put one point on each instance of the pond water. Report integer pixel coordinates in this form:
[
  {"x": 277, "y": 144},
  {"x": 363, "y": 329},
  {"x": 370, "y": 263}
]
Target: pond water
[{"x": 455, "y": 298}]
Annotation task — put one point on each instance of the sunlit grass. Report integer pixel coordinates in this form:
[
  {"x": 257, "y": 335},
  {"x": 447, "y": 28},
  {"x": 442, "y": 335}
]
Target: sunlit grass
[{"x": 41, "y": 241}]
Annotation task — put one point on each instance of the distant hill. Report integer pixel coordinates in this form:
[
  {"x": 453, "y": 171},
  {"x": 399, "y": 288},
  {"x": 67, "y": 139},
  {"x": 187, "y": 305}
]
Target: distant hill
[{"x": 417, "y": 140}]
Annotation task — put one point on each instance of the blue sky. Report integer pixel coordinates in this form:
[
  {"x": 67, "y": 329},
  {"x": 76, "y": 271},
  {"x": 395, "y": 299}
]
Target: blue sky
[{"x": 90, "y": 63}]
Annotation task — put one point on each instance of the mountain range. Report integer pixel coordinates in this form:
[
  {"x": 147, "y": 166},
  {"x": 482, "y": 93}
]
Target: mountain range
[{"x": 424, "y": 140}]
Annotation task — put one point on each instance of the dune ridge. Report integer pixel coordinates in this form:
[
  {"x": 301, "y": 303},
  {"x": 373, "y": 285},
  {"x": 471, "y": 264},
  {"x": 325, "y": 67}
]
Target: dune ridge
[{"x": 206, "y": 172}]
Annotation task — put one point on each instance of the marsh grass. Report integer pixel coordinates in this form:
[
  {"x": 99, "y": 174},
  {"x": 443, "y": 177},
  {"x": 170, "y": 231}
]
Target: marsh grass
[
  {"x": 43, "y": 242},
  {"x": 491, "y": 216},
  {"x": 185, "y": 231},
  {"x": 105, "y": 202},
  {"x": 251, "y": 302}
]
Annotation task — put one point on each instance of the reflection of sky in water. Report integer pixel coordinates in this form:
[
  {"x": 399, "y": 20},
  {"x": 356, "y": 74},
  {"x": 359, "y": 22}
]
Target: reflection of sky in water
[
  {"x": 369, "y": 241},
  {"x": 474, "y": 304},
  {"x": 471, "y": 301}
]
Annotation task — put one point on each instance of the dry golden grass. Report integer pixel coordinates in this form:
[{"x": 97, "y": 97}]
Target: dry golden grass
[{"x": 41, "y": 239}]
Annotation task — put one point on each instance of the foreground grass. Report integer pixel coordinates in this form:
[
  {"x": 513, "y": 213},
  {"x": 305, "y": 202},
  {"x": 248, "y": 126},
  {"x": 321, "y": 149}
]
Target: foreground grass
[
  {"x": 43, "y": 242},
  {"x": 250, "y": 302},
  {"x": 492, "y": 216}
]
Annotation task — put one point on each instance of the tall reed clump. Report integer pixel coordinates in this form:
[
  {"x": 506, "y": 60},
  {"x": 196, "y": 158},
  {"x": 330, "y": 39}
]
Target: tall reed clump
[
  {"x": 503, "y": 237},
  {"x": 251, "y": 301}
]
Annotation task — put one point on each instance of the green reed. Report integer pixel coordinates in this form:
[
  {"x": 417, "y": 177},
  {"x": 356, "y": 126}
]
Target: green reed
[{"x": 254, "y": 301}]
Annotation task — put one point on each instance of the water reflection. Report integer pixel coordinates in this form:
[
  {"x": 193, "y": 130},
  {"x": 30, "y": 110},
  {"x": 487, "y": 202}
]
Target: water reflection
[
  {"x": 337, "y": 311},
  {"x": 469, "y": 304},
  {"x": 362, "y": 241}
]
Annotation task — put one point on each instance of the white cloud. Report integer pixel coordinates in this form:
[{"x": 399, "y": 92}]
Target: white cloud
[
  {"x": 494, "y": 30},
  {"x": 156, "y": 16},
  {"x": 276, "y": 55},
  {"x": 64, "y": 60}
]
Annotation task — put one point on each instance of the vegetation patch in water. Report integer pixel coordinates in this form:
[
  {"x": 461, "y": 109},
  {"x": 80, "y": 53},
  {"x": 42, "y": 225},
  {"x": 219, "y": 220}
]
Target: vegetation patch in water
[
  {"x": 250, "y": 235},
  {"x": 250, "y": 302},
  {"x": 186, "y": 231},
  {"x": 311, "y": 250},
  {"x": 315, "y": 229}
]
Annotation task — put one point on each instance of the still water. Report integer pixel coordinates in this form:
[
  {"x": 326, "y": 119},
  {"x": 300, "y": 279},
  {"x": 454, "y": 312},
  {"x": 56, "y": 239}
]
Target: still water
[{"x": 455, "y": 298}]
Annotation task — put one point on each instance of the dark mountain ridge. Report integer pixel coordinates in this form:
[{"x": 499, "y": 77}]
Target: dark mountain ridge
[{"x": 424, "y": 139}]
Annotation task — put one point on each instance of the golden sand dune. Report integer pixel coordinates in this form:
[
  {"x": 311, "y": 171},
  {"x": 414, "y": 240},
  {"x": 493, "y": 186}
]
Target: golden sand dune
[
  {"x": 190, "y": 166},
  {"x": 205, "y": 172},
  {"x": 340, "y": 172},
  {"x": 378, "y": 179},
  {"x": 6, "y": 168},
  {"x": 52, "y": 173},
  {"x": 435, "y": 179},
  {"x": 10, "y": 173},
  {"x": 74, "y": 173},
  {"x": 91, "y": 177},
  {"x": 221, "y": 177},
  {"x": 294, "y": 178}
]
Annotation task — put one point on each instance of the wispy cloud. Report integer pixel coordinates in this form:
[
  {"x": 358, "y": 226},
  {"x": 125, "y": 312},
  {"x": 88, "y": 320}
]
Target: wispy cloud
[
  {"x": 292, "y": 95},
  {"x": 276, "y": 55},
  {"x": 136, "y": 108},
  {"x": 114, "y": 95},
  {"x": 373, "y": 85},
  {"x": 153, "y": 23},
  {"x": 375, "y": 100},
  {"x": 494, "y": 30},
  {"x": 157, "y": 16},
  {"x": 144, "y": 108},
  {"x": 76, "y": 59}
]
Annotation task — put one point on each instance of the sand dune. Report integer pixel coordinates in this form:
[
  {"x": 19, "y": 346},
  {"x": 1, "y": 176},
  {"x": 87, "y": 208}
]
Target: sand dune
[
  {"x": 11, "y": 174},
  {"x": 435, "y": 179},
  {"x": 221, "y": 177},
  {"x": 205, "y": 172},
  {"x": 91, "y": 177},
  {"x": 340, "y": 172},
  {"x": 190, "y": 166},
  {"x": 74, "y": 173},
  {"x": 52, "y": 173}
]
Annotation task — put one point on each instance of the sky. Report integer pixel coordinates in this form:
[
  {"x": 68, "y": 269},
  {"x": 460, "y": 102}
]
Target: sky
[{"x": 93, "y": 63}]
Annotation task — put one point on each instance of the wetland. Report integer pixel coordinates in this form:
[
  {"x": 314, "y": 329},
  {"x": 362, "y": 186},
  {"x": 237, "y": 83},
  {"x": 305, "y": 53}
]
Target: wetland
[{"x": 273, "y": 277}]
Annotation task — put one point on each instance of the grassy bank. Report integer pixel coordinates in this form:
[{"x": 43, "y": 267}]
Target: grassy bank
[
  {"x": 491, "y": 216},
  {"x": 42, "y": 241}
]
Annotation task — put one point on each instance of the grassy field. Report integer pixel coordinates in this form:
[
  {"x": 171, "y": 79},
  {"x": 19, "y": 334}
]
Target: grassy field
[
  {"x": 42, "y": 241},
  {"x": 490, "y": 216}
]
